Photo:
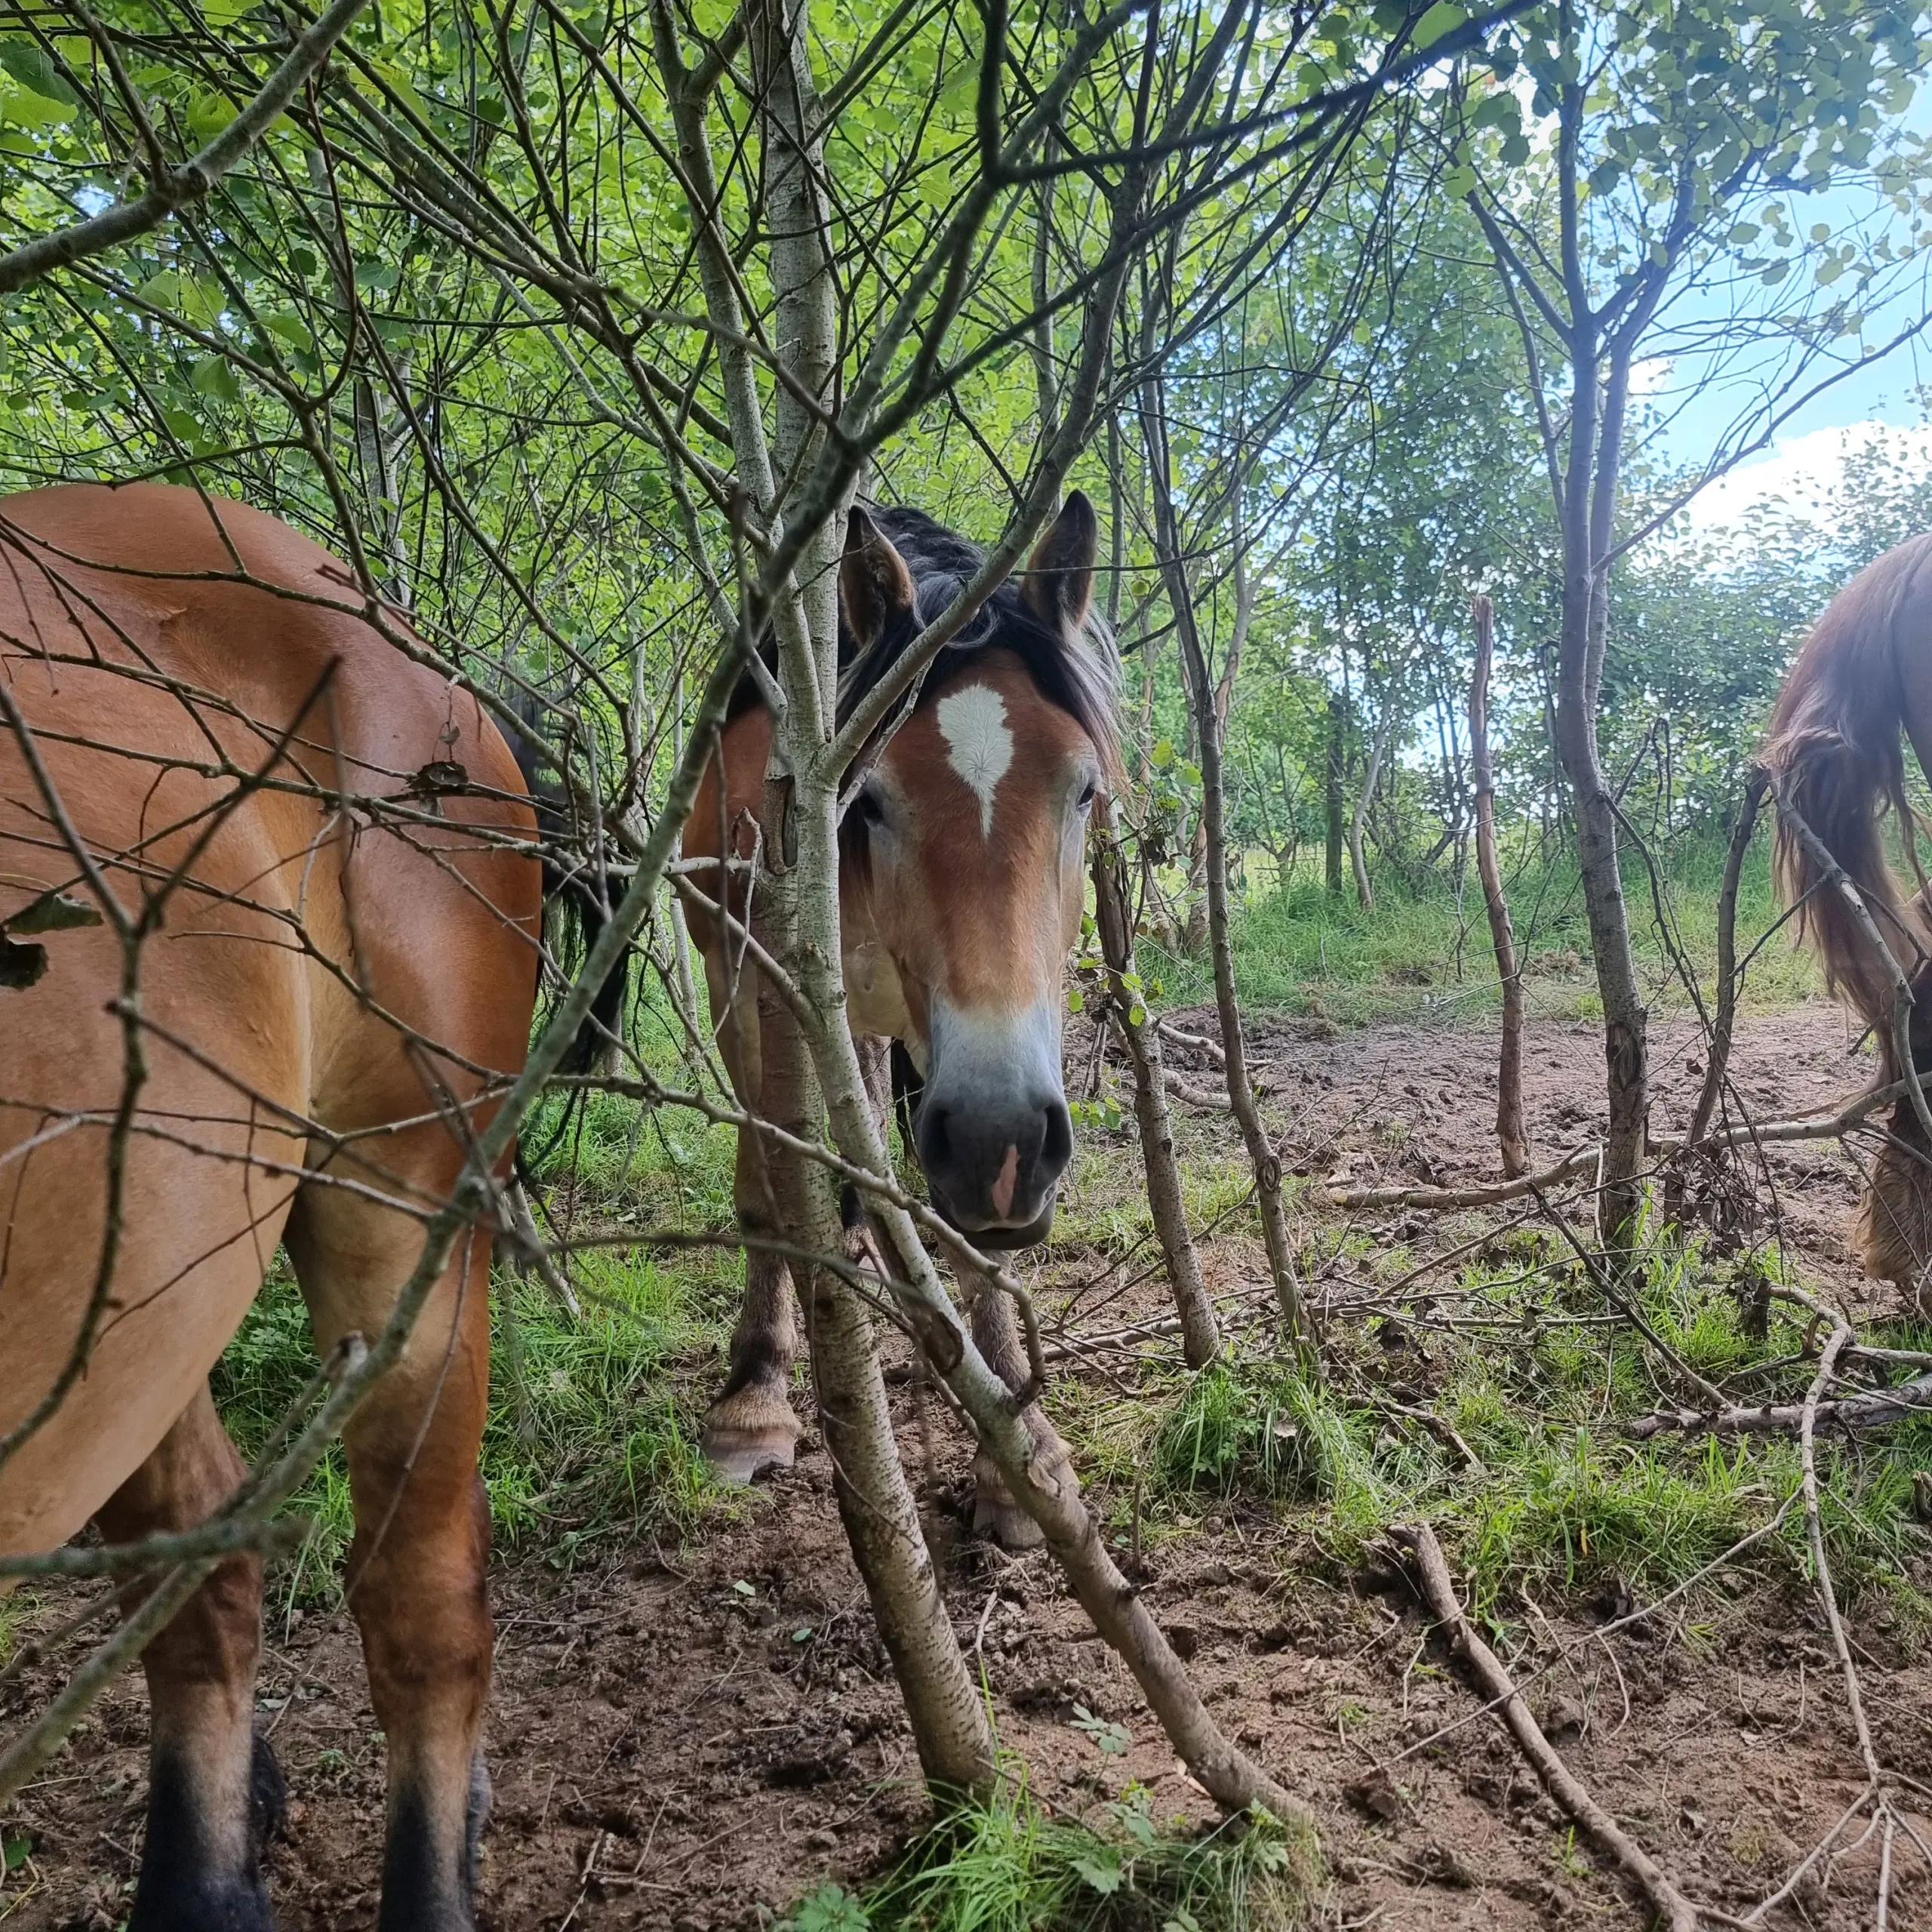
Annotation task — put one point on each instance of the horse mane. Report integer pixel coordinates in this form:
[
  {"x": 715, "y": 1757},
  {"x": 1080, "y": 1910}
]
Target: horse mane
[{"x": 1080, "y": 675}]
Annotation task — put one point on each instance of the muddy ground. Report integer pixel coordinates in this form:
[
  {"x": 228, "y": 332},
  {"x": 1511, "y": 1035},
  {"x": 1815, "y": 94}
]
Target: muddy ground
[{"x": 687, "y": 1738}]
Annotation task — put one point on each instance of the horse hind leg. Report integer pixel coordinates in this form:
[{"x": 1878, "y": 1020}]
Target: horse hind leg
[
  {"x": 214, "y": 1794},
  {"x": 416, "y": 1579}
]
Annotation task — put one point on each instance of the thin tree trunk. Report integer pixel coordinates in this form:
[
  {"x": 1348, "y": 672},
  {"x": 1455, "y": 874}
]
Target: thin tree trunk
[
  {"x": 875, "y": 1503},
  {"x": 1590, "y": 497},
  {"x": 1384, "y": 728},
  {"x": 1267, "y": 1163},
  {"x": 1337, "y": 748},
  {"x": 1511, "y": 1134},
  {"x": 1724, "y": 1019},
  {"x": 1201, "y": 1339}
]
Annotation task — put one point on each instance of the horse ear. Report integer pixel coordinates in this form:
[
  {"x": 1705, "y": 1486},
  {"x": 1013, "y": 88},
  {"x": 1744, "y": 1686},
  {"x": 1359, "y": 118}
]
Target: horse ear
[
  {"x": 874, "y": 586},
  {"x": 1060, "y": 575}
]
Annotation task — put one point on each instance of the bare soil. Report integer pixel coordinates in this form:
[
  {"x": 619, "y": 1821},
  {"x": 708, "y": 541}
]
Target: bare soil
[{"x": 673, "y": 1749}]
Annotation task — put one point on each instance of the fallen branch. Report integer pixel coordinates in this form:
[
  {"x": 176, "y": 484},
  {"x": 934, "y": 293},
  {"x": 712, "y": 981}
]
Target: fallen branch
[
  {"x": 1558, "y": 1781},
  {"x": 1480, "y": 1195},
  {"x": 1196, "y": 1042},
  {"x": 1195, "y": 1097},
  {"x": 1871, "y": 1409}
]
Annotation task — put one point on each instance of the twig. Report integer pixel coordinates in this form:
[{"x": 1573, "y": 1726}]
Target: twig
[{"x": 1562, "y": 1785}]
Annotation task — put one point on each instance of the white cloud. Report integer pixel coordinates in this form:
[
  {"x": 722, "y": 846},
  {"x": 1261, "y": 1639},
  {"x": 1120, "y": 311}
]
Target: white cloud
[{"x": 1800, "y": 472}]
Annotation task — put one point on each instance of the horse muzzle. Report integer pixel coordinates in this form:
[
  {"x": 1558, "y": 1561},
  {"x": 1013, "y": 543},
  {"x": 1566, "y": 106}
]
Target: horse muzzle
[{"x": 993, "y": 1132}]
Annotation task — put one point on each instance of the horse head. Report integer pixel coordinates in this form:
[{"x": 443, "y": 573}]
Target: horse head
[{"x": 961, "y": 861}]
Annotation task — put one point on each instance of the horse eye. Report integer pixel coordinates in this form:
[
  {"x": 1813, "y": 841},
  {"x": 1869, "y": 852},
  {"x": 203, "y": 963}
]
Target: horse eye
[
  {"x": 1086, "y": 800},
  {"x": 868, "y": 808}
]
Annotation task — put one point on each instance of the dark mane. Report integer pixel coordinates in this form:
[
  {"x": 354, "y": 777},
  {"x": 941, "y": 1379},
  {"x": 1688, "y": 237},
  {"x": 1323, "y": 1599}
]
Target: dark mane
[{"x": 1081, "y": 677}]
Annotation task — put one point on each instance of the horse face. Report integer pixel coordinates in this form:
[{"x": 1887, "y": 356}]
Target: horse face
[{"x": 970, "y": 835}]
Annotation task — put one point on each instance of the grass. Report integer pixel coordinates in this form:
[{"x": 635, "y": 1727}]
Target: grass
[
  {"x": 1007, "y": 1865},
  {"x": 591, "y": 1433},
  {"x": 1298, "y": 948},
  {"x": 1563, "y": 1499}
]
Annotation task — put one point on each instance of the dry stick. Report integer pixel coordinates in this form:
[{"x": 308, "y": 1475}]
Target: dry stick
[
  {"x": 1558, "y": 1781},
  {"x": 1480, "y": 1196},
  {"x": 1201, "y": 1340},
  {"x": 1511, "y": 1135},
  {"x": 1195, "y": 1097},
  {"x": 1198, "y": 1042},
  {"x": 1902, "y": 1001},
  {"x": 1871, "y": 1409}
]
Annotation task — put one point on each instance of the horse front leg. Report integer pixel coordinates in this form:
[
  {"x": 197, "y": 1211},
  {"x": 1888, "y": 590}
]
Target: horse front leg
[
  {"x": 996, "y": 1335},
  {"x": 213, "y": 1792},
  {"x": 751, "y": 1429}
]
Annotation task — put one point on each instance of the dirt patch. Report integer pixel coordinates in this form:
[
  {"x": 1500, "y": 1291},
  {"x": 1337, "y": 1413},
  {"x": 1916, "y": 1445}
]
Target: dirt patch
[{"x": 688, "y": 1739}]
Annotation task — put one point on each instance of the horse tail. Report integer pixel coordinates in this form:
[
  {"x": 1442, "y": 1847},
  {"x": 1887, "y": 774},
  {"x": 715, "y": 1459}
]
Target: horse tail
[
  {"x": 574, "y": 911},
  {"x": 1835, "y": 759}
]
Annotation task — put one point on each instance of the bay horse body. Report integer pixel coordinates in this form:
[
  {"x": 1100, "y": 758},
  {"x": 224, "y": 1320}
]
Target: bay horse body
[
  {"x": 337, "y": 960},
  {"x": 1862, "y": 680},
  {"x": 960, "y": 880}
]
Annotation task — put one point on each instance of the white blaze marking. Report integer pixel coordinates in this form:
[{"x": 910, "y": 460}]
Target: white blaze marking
[{"x": 972, "y": 720}]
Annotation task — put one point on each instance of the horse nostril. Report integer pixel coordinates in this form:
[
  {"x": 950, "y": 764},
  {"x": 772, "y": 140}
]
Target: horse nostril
[
  {"x": 934, "y": 1145},
  {"x": 1056, "y": 1146}
]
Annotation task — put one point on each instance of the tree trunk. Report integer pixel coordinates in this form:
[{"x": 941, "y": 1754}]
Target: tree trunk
[
  {"x": 1385, "y": 727},
  {"x": 795, "y": 900},
  {"x": 1511, "y": 1134},
  {"x": 1207, "y": 727},
  {"x": 1338, "y": 750},
  {"x": 1589, "y": 500},
  {"x": 1201, "y": 1340}
]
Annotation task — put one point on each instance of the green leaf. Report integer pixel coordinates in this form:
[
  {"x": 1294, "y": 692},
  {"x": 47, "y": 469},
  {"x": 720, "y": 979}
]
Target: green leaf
[
  {"x": 1103, "y": 1872},
  {"x": 31, "y": 64},
  {"x": 1076, "y": 1001},
  {"x": 14, "y": 1852},
  {"x": 1443, "y": 17},
  {"x": 744, "y": 1589},
  {"x": 935, "y": 185},
  {"x": 32, "y": 110},
  {"x": 1162, "y": 755},
  {"x": 214, "y": 376},
  {"x": 830, "y": 1909},
  {"x": 1459, "y": 182},
  {"x": 223, "y": 13},
  {"x": 1136, "y": 1014}
]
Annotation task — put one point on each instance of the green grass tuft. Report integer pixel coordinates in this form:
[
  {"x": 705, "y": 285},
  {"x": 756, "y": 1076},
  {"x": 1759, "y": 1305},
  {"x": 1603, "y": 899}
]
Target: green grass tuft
[{"x": 1009, "y": 1865}]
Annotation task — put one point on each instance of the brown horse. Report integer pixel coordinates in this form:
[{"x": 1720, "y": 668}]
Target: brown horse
[
  {"x": 314, "y": 912},
  {"x": 960, "y": 886},
  {"x": 1864, "y": 677}
]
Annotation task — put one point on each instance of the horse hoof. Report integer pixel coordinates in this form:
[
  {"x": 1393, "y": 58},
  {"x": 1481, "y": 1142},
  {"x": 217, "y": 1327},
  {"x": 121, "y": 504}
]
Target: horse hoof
[
  {"x": 739, "y": 1457},
  {"x": 1001, "y": 1519}
]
